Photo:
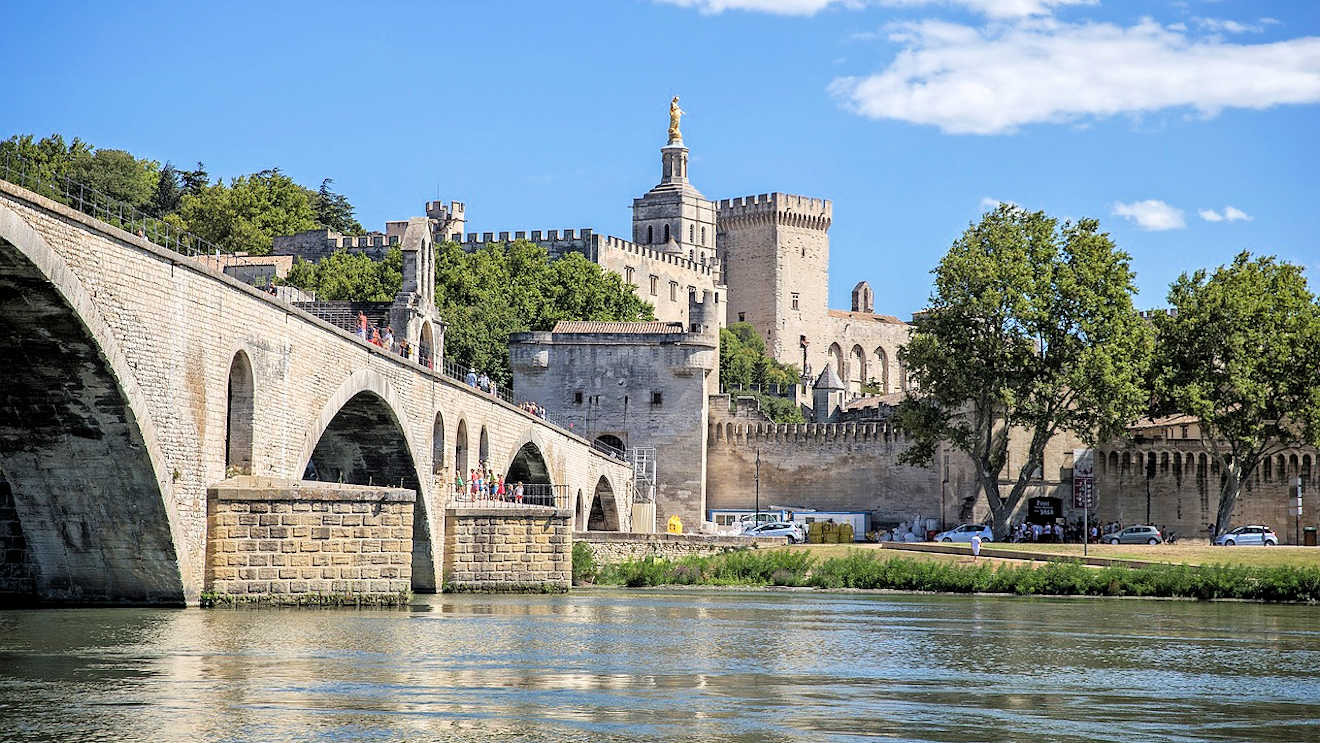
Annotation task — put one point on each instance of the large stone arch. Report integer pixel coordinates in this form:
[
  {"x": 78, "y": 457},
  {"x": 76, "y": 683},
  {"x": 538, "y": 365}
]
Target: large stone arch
[
  {"x": 93, "y": 490},
  {"x": 604, "y": 513},
  {"x": 856, "y": 369},
  {"x": 362, "y": 437},
  {"x": 836, "y": 358},
  {"x": 881, "y": 373}
]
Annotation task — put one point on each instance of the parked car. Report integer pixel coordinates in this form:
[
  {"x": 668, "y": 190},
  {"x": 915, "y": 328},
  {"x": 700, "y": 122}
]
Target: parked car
[
  {"x": 795, "y": 533},
  {"x": 1134, "y": 535},
  {"x": 965, "y": 533},
  {"x": 1253, "y": 535}
]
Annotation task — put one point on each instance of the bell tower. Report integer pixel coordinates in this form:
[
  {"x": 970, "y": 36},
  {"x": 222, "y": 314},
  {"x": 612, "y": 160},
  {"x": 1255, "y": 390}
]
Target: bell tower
[{"x": 674, "y": 217}]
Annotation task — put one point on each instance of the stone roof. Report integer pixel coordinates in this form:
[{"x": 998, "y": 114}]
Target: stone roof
[
  {"x": 590, "y": 326},
  {"x": 829, "y": 379},
  {"x": 845, "y": 315}
]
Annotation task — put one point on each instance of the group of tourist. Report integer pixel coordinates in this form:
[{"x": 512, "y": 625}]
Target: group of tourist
[
  {"x": 532, "y": 408},
  {"x": 382, "y": 337},
  {"x": 484, "y": 484}
]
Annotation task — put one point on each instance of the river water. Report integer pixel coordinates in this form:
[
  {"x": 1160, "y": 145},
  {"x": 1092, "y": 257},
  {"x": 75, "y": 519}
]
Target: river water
[{"x": 650, "y": 665}]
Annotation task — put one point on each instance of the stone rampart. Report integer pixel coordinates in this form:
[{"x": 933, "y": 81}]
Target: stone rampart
[
  {"x": 285, "y": 542},
  {"x": 608, "y": 548},
  {"x": 827, "y": 467},
  {"x": 508, "y": 549}
]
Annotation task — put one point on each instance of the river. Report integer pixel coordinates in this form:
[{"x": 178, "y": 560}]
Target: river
[{"x": 652, "y": 665}]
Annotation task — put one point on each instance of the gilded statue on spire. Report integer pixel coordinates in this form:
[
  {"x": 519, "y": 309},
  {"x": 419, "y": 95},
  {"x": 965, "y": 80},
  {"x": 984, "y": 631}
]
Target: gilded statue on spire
[{"x": 675, "y": 113}]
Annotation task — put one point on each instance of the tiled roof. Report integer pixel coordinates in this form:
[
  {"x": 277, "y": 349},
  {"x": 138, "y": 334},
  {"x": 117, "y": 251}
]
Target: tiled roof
[
  {"x": 589, "y": 326},
  {"x": 844, "y": 314}
]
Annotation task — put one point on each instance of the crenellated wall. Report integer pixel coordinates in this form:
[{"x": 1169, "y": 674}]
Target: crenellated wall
[
  {"x": 838, "y": 467},
  {"x": 1181, "y": 484}
]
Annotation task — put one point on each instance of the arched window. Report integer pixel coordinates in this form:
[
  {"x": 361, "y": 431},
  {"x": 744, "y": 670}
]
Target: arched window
[
  {"x": 650, "y": 234},
  {"x": 703, "y": 237},
  {"x": 483, "y": 448},
  {"x": 461, "y": 463},
  {"x": 238, "y": 431},
  {"x": 438, "y": 445},
  {"x": 692, "y": 233}
]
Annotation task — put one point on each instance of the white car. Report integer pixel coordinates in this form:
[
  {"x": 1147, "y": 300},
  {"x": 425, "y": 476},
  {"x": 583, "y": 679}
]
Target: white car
[
  {"x": 1254, "y": 535},
  {"x": 965, "y": 533},
  {"x": 795, "y": 533}
]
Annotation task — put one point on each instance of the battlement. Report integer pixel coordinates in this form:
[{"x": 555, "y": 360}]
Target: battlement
[
  {"x": 801, "y": 211},
  {"x": 742, "y": 434},
  {"x": 587, "y": 242}
]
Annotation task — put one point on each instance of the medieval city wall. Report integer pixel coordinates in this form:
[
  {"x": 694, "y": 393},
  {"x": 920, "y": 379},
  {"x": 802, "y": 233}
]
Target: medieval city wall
[
  {"x": 1181, "y": 484},
  {"x": 837, "y": 467}
]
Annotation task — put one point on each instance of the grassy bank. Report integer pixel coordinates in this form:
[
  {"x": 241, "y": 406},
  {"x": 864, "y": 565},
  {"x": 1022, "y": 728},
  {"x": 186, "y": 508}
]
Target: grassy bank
[{"x": 870, "y": 569}]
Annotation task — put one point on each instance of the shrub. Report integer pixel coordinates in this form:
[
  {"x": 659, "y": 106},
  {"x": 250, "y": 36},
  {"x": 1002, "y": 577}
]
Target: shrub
[{"x": 584, "y": 564}]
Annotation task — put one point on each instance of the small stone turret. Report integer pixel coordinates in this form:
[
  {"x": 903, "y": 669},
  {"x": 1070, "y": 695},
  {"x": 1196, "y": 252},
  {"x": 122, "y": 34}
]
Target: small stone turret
[
  {"x": 827, "y": 396},
  {"x": 863, "y": 299}
]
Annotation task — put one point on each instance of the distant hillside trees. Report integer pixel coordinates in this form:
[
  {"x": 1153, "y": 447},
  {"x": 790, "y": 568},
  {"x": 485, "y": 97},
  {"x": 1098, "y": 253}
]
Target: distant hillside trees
[{"x": 242, "y": 215}]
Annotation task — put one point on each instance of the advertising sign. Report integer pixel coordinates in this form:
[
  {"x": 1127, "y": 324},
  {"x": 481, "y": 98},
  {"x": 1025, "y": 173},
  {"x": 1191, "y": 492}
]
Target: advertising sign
[{"x": 1084, "y": 478}]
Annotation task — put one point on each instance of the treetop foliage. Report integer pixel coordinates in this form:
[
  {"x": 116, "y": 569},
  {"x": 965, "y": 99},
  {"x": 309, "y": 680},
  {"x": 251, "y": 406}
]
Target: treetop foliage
[
  {"x": 242, "y": 215},
  {"x": 745, "y": 364}
]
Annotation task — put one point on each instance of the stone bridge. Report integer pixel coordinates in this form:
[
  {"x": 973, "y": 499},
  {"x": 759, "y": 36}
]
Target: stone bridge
[{"x": 134, "y": 377}]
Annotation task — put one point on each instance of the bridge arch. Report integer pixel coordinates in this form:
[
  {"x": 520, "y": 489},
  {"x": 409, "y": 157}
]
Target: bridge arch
[
  {"x": 604, "y": 513},
  {"x": 78, "y": 445},
  {"x": 528, "y": 466},
  {"x": 362, "y": 437}
]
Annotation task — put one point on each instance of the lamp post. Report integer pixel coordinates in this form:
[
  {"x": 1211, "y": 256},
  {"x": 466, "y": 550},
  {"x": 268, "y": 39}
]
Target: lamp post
[
  {"x": 756, "y": 519},
  {"x": 1297, "y": 516}
]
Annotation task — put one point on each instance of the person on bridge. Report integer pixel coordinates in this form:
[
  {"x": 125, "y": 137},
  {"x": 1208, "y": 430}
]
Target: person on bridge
[
  {"x": 362, "y": 325},
  {"x": 518, "y": 493},
  {"x": 387, "y": 339},
  {"x": 471, "y": 378}
]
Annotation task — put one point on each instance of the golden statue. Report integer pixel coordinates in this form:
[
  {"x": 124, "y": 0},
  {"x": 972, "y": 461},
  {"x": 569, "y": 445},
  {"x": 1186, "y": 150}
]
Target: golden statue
[{"x": 675, "y": 113}]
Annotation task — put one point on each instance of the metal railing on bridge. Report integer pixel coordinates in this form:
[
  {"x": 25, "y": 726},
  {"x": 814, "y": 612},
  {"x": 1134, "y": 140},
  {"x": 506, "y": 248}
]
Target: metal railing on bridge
[
  {"x": 23, "y": 172},
  {"x": 533, "y": 494}
]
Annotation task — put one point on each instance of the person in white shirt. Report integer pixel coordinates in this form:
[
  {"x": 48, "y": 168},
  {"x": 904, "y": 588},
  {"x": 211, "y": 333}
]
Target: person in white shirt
[{"x": 976, "y": 545}]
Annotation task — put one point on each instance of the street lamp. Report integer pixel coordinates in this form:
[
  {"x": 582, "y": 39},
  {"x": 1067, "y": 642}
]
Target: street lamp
[{"x": 756, "y": 519}]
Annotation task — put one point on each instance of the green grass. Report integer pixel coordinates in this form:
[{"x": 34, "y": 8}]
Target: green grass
[{"x": 868, "y": 569}]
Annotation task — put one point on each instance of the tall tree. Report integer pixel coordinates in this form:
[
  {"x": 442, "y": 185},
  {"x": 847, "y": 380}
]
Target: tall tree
[
  {"x": 117, "y": 174},
  {"x": 1030, "y": 328},
  {"x": 195, "y": 181},
  {"x": 247, "y": 213},
  {"x": 746, "y": 365},
  {"x": 334, "y": 211},
  {"x": 168, "y": 192},
  {"x": 1239, "y": 349}
]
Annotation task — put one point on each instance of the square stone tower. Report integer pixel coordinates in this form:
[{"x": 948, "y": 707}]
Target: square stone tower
[
  {"x": 774, "y": 253},
  {"x": 674, "y": 217}
]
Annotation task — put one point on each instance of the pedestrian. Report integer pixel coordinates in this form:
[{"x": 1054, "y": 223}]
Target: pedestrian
[
  {"x": 483, "y": 382},
  {"x": 387, "y": 339},
  {"x": 1058, "y": 533},
  {"x": 375, "y": 337},
  {"x": 362, "y": 324},
  {"x": 471, "y": 378},
  {"x": 518, "y": 492},
  {"x": 976, "y": 545}
]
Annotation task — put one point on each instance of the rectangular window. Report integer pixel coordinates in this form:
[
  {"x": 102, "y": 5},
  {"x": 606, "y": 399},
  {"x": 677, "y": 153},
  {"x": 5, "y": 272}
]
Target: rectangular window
[
  {"x": 673, "y": 291},
  {"x": 628, "y": 274},
  {"x": 577, "y": 397},
  {"x": 795, "y": 300},
  {"x": 655, "y": 285},
  {"x": 742, "y": 317},
  {"x": 657, "y": 398}
]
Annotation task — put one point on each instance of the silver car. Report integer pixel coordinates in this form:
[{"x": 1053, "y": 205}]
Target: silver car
[
  {"x": 794, "y": 532},
  {"x": 1135, "y": 535},
  {"x": 1254, "y": 535}
]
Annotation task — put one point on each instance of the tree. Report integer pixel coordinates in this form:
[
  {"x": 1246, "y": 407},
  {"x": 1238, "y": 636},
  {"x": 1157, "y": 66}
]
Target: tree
[
  {"x": 746, "y": 365},
  {"x": 1030, "y": 328},
  {"x": 1239, "y": 349},
  {"x": 168, "y": 192},
  {"x": 116, "y": 174},
  {"x": 350, "y": 276},
  {"x": 195, "y": 181},
  {"x": 334, "y": 211},
  {"x": 247, "y": 213}
]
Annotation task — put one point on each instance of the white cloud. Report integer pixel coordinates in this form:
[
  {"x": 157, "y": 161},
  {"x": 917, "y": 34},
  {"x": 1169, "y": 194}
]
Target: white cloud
[
  {"x": 1234, "y": 214},
  {"x": 1151, "y": 214},
  {"x": 988, "y": 202},
  {"x": 1228, "y": 26},
  {"x": 777, "y": 7},
  {"x": 988, "y": 8},
  {"x": 995, "y": 79},
  {"x": 1230, "y": 214}
]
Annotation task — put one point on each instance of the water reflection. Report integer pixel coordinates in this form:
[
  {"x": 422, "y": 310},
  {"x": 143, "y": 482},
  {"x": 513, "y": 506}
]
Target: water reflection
[{"x": 667, "y": 666}]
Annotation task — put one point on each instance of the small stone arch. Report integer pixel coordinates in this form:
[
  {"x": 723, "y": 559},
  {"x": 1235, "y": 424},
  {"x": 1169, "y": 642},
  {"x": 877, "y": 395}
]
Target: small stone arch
[
  {"x": 836, "y": 358},
  {"x": 882, "y": 369},
  {"x": 604, "y": 514},
  {"x": 483, "y": 448},
  {"x": 426, "y": 346},
  {"x": 239, "y": 411},
  {"x": 612, "y": 441},
  {"x": 438, "y": 444},
  {"x": 1113, "y": 462},
  {"x": 461, "y": 464},
  {"x": 857, "y": 369},
  {"x": 528, "y": 466}
]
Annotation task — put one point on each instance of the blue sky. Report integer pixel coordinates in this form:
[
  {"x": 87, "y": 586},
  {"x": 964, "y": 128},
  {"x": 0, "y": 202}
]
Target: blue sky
[{"x": 910, "y": 115}]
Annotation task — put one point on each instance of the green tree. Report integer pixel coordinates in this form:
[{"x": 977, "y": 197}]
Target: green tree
[
  {"x": 334, "y": 211},
  {"x": 1239, "y": 349},
  {"x": 350, "y": 276},
  {"x": 169, "y": 192},
  {"x": 247, "y": 213},
  {"x": 195, "y": 181},
  {"x": 116, "y": 174},
  {"x": 746, "y": 365},
  {"x": 46, "y": 160},
  {"x": 1030, "y": 327}
]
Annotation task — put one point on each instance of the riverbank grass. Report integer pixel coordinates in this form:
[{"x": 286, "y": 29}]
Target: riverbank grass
[{"x": 871, "y": 569}]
